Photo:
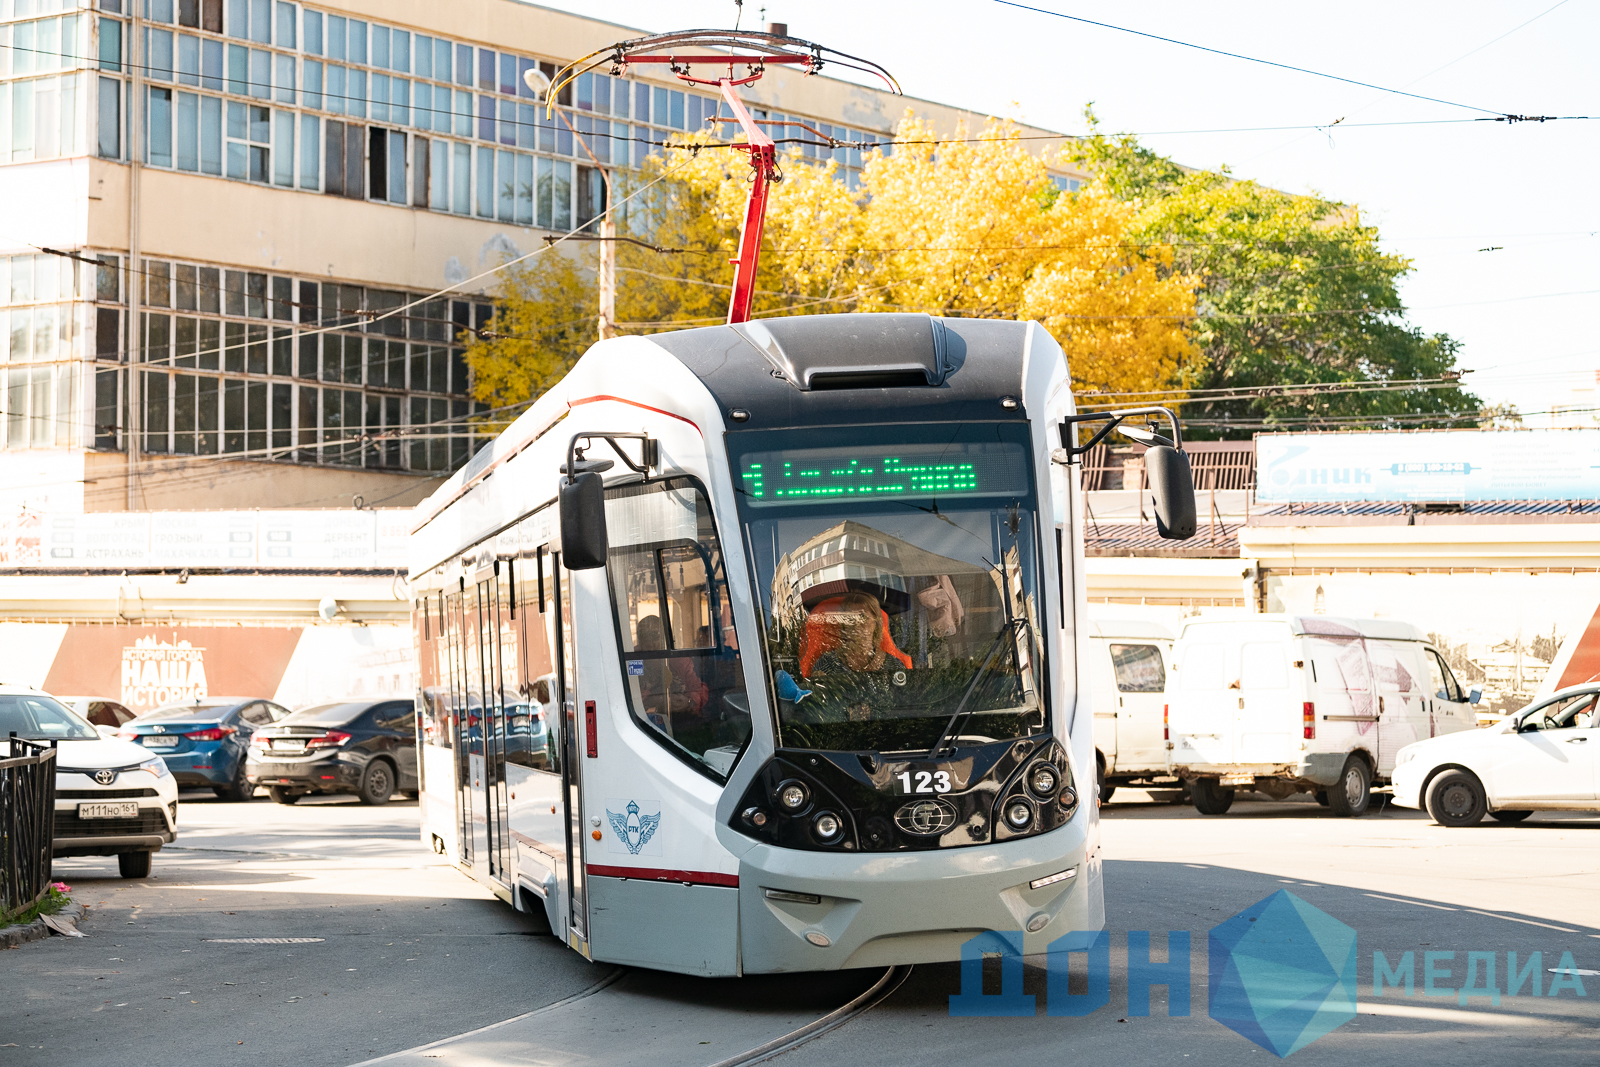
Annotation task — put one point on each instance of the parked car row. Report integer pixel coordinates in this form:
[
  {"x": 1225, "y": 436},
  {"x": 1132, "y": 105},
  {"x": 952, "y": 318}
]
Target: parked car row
[
  {"x": 362, "y": 747},
  {"x": 1286, "y": 704},
  {"x": 118, "y": 774},
  {"x": 205, "y": 743},
  {"x": 113, "y": 798}
]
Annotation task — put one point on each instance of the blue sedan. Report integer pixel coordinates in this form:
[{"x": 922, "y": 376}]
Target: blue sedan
[{"x": 204, "y": 742}]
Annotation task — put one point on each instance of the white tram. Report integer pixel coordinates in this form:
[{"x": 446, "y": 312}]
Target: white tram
[{"x": 758, "y": 648}]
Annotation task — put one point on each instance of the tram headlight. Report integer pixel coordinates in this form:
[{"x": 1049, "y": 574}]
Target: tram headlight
[
  {"x": 1019, "y": 814},
  {"x": 1068, "y": 799},
  {"x": 1043, "y": 779},
  {"x": 793, "y": 797},
  {"x": 827, "y": 827}
]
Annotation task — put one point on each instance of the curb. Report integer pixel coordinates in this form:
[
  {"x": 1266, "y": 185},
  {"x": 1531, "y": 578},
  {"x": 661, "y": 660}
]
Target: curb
[{"x": 13, "y": 936}]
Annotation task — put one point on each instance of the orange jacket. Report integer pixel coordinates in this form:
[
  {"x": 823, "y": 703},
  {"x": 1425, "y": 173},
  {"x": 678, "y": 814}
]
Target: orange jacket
[{"x": 820, "y": 637}]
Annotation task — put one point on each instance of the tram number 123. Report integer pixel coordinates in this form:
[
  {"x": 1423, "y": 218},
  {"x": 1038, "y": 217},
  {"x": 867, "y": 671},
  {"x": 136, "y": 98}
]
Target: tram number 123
[{"x": 924, "y": 782}]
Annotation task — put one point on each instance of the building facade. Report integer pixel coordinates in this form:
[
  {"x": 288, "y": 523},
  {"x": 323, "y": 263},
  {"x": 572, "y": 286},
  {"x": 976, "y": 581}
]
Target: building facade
[{"x": 229, "y": 225}]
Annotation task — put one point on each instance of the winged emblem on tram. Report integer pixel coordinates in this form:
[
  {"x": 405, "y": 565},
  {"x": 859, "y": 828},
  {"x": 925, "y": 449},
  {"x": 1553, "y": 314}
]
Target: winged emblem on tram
[{"x": 633, "y": 829}]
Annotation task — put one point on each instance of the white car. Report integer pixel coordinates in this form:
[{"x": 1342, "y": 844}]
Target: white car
[
  {"x": 1543, "y": 758},
  {"x": 113, "y": 798},
  {"x": 103, "y": 714}
]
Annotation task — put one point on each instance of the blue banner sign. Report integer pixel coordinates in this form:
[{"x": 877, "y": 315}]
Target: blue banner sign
[{"x": 1432, "y": 465}]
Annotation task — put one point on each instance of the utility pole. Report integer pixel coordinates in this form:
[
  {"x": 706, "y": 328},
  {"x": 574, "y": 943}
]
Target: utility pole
[{"x": 540, "y": 85}]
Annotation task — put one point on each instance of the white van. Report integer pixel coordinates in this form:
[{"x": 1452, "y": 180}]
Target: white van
[
  {"x": 1127, "y": 682},
  {"x": 1286, "y": 704}
]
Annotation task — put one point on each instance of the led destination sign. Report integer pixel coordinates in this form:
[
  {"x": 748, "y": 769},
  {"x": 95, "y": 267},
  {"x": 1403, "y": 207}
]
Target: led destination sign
[{"x": 811, "y": 475}]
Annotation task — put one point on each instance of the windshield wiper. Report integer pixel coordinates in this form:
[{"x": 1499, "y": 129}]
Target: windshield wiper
[{"x": 983, "y": 672}]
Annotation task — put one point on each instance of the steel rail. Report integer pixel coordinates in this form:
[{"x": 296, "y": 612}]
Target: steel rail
[
  {"x": 885, "y": 987},
  {"x": 583, "y": 994}
]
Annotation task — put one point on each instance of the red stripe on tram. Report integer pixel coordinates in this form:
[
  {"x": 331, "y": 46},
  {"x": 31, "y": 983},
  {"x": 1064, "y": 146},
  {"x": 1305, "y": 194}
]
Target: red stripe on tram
[
  {"x": 655, "y": 874},
  {"x": 636, "y": 404}
]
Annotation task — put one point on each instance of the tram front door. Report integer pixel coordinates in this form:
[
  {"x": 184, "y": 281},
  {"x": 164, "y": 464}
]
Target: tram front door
[{"x": 572, "y": 756}]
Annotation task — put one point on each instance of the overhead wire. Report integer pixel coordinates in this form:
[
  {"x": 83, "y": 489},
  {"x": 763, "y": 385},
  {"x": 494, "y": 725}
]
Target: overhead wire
[
  {"x": 389, "y": 314},
  {"x": 376, "y": 316},
  {"x": 1420, "y": 78},
  {"x": 1248, "y": 59},
  {"x": 1095, "y": 398},
  {"x": 172, "y": 76},
  {"x": 1404, "y": 418},
  {"x": 367, "y": 317}
]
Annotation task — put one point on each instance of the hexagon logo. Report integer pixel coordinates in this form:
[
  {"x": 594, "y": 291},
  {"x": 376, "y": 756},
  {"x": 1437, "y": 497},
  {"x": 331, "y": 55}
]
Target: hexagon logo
[{"x": 1282, "y": 973}]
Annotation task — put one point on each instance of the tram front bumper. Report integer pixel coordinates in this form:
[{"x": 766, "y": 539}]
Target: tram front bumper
[{"x": 812, "y": 911}]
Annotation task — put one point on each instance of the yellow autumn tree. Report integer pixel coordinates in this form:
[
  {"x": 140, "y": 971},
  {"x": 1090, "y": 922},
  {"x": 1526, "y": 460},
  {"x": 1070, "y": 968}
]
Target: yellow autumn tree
[
  {"x": 977, "y": 228},
  {"x": 959, "y": 228}
]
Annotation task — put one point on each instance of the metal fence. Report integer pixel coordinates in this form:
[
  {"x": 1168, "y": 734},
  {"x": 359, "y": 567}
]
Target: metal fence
[
  {"x": 27, "y": 826},
  {"x": 1214, "y": 465}
]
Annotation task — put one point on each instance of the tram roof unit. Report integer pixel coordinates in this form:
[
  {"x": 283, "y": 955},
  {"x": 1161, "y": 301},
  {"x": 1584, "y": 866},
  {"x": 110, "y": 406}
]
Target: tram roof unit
[{"x": 811, "y": 370}]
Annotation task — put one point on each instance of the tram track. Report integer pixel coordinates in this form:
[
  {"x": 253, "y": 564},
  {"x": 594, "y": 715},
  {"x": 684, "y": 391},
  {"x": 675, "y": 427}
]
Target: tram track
[
  {"x": 481, "y": 1039},
  {"x": 616, "y": 974},
  {"x": 877, "y": 993}
]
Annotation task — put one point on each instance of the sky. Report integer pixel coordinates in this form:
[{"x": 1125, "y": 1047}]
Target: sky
[{"x": 1501, "y": 221}]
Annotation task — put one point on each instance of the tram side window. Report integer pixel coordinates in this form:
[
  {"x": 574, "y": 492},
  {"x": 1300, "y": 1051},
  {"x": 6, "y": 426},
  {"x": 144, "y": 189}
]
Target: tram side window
[
  {"x": 533, "y": 722},
  {"x": 434, "y": 702},
  {"x": 433, "y": 692},
  {"x": 669, "y": 593},
  {"x": 531, "y": 728}
]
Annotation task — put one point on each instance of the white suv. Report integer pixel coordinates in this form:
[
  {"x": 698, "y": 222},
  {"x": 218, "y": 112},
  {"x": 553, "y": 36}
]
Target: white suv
[{"x": 113, "y": 798}]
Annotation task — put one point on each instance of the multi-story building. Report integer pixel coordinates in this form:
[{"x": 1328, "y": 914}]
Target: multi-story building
[{"x": 229, "y": 225}]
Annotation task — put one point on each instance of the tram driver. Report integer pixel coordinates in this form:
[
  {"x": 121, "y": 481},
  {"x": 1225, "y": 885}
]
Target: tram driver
[
  {"x": 855, "y": 628},
  {"x": 847, "y": 634}
]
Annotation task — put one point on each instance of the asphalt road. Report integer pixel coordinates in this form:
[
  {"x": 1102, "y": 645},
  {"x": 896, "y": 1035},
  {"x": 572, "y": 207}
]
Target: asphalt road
[
  {"x": 413, "y": 953},
  {"x": 409, "y": 950},
  {"x": 1401, "y": 882}
]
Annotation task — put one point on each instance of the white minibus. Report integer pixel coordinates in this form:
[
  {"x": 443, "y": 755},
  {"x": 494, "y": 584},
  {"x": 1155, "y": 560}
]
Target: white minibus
[
  {"x": 1287, "y": 704},
  {"x": 1127, "y": 675}
]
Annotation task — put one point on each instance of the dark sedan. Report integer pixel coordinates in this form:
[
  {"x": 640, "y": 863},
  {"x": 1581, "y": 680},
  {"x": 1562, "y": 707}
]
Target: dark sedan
[
  {"x": 365, "y": 747},
  {"x": 204, "y": 741}
]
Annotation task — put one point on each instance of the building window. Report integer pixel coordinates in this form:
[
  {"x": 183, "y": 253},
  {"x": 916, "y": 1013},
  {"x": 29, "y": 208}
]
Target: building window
[
  {"x": 386, "y": 164},
  {"x": 109, "y": 118}
]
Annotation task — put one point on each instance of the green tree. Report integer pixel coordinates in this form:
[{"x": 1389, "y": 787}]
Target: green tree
[
  {"x": 1293, "y": 289},
  {"x": 547, "y": 311},
  {"x": 970, "y": 229},
  {"x": 538, "y": 331}
]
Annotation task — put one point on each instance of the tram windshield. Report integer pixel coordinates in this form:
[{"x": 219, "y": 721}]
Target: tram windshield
[{"x": 897, "y": 569}]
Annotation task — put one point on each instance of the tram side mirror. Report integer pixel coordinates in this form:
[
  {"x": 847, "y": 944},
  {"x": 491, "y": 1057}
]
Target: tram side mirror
[
  {"x": 1173, "y": 487},
  {"x": 1474, "y": 696},
  {"x": 583, "y": 523}
]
